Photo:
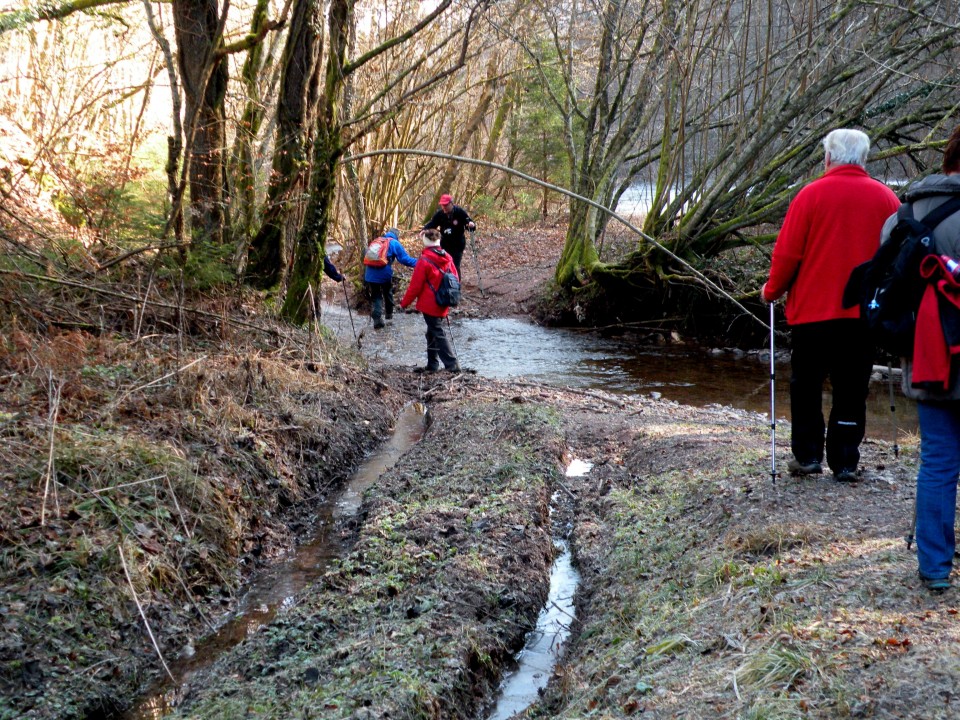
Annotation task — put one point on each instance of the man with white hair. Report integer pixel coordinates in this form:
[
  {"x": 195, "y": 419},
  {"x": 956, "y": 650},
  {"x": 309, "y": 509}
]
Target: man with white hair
[{"x": 831, "y": 226}]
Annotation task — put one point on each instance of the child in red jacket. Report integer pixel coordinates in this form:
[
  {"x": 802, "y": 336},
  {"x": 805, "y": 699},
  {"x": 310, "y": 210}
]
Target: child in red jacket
[{"x": 428, "y": 271}]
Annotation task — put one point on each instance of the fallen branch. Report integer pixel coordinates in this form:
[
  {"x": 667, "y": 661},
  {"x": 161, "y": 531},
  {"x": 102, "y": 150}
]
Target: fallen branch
[
  {"x": 132, "y": 298},
  {"x": 54, "y": 393},
  {"x": 143, "y": 615}
]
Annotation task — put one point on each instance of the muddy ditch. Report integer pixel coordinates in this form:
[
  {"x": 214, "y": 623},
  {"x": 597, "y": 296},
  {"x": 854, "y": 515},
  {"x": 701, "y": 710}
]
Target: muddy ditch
[
  {"x": 191, "y": 482},
  {"x": 447, "y": 575}
]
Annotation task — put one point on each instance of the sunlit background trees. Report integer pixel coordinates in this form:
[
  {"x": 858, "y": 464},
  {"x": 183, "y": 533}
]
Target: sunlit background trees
[{"x": 223, "y": 130}]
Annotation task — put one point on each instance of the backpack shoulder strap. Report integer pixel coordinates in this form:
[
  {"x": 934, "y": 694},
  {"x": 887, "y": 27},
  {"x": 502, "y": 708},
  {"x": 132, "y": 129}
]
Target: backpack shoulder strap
[{"x": 940, "y": 213}]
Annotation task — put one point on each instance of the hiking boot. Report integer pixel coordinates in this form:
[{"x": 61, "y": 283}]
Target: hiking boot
[
  {"x": 936, "y": 585},
  {"x": 454, "y": 368},
  {"x": 378, "y": 324},
  {"x": 804, "y": 468},
  {"x": 427, "y": 369},
  {"x": 846, "y": 476}
]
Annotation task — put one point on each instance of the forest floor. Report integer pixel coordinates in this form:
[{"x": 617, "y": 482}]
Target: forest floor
[{"x": 150, "y": 466}]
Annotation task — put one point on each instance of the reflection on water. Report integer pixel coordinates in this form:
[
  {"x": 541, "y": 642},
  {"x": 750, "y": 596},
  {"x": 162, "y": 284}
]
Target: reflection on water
[
  {"x": 509, "y": 347},
  {"x": 275, "y": 589}
]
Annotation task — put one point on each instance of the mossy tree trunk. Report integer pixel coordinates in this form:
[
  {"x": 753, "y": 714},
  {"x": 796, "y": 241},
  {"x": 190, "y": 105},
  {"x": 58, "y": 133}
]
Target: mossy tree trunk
[
  {"x": 327, "y": 151},
  {"x": 296, "y": 112},
  {"x": 204, "y": 74},
  {"x": 243, "y": 162}
]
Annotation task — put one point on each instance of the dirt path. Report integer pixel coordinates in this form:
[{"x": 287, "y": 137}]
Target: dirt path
[{"x": 707, "y": 591}]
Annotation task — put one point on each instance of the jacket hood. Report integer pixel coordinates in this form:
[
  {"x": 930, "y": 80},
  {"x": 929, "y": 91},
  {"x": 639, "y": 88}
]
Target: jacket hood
[
  {"x": 391, "y": 234},
  {"x": 933, "y": 185}
]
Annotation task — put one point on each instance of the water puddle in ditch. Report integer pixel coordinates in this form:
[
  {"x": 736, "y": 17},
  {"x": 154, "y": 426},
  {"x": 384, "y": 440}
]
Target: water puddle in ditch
[
  {"x": 275, "y": 589},
  {"x": 545, "y": 644}
]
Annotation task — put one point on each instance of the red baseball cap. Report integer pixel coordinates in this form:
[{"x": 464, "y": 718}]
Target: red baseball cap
[{"x": 445, "y": 199}]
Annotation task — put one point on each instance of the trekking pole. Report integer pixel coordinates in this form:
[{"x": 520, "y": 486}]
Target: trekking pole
[
  {"x": 346, "y": 299},
  {"x": 911, "y": 531},
  {"x": 476, "y": 260},
  {"x": 913, "y": 524},
  {"x": 773, "y": 417},
  {"x": 893, "y": 410},
  {"x": 452, "y": 345}
]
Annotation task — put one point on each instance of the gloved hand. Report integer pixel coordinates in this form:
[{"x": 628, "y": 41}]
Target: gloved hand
[{"x": 471, "y": 226}]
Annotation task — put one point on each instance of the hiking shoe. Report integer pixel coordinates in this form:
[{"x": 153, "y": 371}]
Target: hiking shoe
[
  {"x": 846, "y": 476},
  {"x": 427, "y": 369},
  {"x": 937, "y": 585},
  {"x": 804, "y": 468},
  {"x": 454, "y": 368},
  {"x": 379, "y": 325}
]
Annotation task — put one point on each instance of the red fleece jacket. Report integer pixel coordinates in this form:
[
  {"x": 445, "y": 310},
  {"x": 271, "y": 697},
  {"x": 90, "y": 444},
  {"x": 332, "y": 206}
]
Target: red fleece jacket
[
  {"x": 832, "y": 225},
  {"x": 431, "y": 265}
]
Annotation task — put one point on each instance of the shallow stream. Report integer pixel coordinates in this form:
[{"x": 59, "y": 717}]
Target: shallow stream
[
  {"x": 504, "y": 348},
  {"x": 515, "y": 348}
]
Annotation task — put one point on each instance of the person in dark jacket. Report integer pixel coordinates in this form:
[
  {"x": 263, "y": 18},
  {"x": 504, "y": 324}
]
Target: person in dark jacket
[
  {"x": 938, "y": 403},
  {"x": 452, "y": 221},
  {"x": 831, "y": 226},
  {"x": 378, "y": 281},
  {"x": 433, "y": 262},
  {"x": 330, "y": 270}
]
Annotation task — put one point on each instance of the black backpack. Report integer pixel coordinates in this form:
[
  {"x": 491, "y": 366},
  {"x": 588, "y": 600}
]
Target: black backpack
[
  {"x": 447, "y": 294},
  {"x": 888, "y": 288}
]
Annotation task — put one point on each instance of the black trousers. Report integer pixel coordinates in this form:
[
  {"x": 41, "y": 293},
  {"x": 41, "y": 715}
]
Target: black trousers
[
  {"x": 381, "y": 301},
  {"x": 841, "y": 351},
  {"x": 439, "y": 349},
  {"x": 455, "y": 248}
]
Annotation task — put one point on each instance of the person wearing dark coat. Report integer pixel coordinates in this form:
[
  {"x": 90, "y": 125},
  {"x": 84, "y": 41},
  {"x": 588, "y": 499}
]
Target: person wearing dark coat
[
  {"x": 931, "y": 376},
  {"x": 330, "y": 270},
  {"x": 452, "y": 221},
  {"x": 378, "y": 281},
  {"x": 433, "y": 262}
]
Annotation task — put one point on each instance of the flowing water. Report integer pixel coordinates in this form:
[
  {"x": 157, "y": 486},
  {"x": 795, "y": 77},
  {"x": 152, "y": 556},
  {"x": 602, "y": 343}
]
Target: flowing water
[
  {"x": 275, "y": 590},
  {"x": 514, "y": 348},
  {"x": 545, "y": 644}
]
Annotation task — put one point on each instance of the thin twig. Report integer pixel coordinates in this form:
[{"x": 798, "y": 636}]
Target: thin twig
[
  {"x": 176, "y": 504},
  {"x": 54, "y": 394},
  {"x": 129, "y": 484},
  {"x": 127, "y": 394},
  {"x": 143, "y": 615}
]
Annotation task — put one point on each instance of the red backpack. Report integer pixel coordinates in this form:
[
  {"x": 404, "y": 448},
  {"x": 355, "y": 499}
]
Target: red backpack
[{"x": 376, "y": 254}]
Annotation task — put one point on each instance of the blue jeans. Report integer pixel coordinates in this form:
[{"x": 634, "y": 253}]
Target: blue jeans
[{"x": 937, "y": 486}]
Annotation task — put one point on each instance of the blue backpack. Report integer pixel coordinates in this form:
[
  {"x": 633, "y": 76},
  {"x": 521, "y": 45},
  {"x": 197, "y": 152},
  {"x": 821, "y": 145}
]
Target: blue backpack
[{"x": 447, "y": 293}]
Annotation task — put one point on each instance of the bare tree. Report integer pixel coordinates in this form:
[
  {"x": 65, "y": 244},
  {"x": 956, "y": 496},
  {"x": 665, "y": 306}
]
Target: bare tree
[{"x": 718, "y": 107}]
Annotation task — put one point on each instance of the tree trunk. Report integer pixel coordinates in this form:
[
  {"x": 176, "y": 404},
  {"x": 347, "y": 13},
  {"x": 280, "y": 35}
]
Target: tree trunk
[
  {"x": 204, "y": 77},
  {"x": 244, "y": 170},
  {"x": 327, "y": 150},
  {"x": 301, "y": 66}
]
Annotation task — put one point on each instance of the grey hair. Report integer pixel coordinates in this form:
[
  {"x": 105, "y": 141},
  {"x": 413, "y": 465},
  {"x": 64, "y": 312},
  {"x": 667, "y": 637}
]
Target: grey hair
[{"x": 847, "y": 147}]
